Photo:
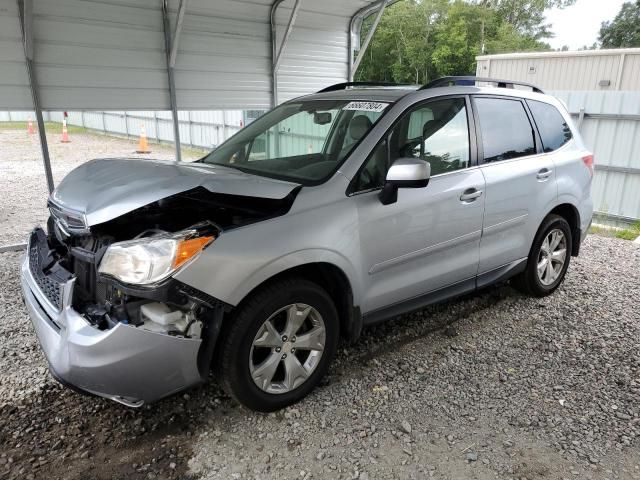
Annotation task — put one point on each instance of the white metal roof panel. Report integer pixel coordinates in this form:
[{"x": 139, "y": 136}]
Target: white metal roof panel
[
  {"x": 14, "y": 82},
  {"x": 110, "y": 54}
]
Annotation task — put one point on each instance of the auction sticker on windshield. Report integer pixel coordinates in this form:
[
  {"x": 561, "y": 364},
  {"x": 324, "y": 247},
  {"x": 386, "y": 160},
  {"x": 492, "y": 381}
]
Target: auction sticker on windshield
[{"x": 366, "y": 106}]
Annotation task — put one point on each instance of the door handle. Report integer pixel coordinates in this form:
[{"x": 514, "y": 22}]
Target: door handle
[
  {"x": 544, "y": 174},
  {"x": 470, "y": 194}
]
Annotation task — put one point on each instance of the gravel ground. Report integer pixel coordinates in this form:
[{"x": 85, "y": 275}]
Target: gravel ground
[
  {"x": 22, "y": 180},
  {"x": 494, "y": 385}
]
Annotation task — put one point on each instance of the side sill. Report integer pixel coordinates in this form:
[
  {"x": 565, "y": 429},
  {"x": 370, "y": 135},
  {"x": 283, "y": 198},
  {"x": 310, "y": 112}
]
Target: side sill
[
  {"x": 502, "y": 273},
  {"x": 421, "y": 301}
]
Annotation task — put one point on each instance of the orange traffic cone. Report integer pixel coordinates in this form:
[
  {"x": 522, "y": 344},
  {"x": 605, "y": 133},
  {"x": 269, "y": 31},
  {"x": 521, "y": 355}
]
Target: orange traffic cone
[
  {"x": 65, "y": 132},
  {"x": 30, "y": 129},
  {"x": 143, "y": 146}
]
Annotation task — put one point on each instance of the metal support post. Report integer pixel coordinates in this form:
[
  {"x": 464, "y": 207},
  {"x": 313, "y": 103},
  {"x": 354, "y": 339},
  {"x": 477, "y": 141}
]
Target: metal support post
[
  {"x": 25, "y": 8},
  {"x": 276, "y": 53},
  {"x": 580, "y": 119},
  {"x": 171, "y": 81},
  {"x": 367, "y": 40}
]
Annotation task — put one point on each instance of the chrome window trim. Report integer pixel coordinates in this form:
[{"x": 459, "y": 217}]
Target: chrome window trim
[{"x": 437, "y": 175}]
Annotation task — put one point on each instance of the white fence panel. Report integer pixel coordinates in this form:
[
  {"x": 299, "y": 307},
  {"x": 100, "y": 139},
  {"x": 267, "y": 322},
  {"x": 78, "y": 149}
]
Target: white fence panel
[
  {"x": 205, "y": 129},
  {"x": 610, "y": 127}
]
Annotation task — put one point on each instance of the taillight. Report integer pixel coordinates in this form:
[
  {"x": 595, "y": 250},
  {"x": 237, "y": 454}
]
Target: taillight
[{"x": 588, "y": 162}]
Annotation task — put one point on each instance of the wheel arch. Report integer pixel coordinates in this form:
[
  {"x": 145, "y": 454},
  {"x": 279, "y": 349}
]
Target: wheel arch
[
  {"x": 334, "y": 281},
  {"x": 571, "y": 214}
]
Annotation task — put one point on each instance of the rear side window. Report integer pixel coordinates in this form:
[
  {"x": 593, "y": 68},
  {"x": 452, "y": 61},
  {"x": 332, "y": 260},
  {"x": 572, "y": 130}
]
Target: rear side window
[
  {"x": 506, "y": 130},
  {"x": 553, "y": 128}
]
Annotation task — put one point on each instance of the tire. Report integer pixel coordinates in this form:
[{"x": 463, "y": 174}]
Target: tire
[
  {"x": 250, "y": 348},
  {"x": 531, "y": 281}
]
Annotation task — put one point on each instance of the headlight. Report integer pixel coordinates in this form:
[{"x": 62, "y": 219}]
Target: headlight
[{"x": 152, "y": 259}]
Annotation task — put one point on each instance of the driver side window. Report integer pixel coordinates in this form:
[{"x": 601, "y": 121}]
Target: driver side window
[{"x": 436, "y": 131}]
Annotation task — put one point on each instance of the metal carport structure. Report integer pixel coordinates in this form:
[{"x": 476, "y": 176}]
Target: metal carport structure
[{"x": 171, "y": 54}]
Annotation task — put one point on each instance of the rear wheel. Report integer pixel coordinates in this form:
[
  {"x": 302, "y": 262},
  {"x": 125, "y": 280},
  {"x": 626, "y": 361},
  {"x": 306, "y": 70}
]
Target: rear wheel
[
  {"x": 548, "y": 259},
  {"x": 279, "y": 345}
]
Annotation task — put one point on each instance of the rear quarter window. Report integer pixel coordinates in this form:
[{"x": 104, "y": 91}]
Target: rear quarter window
[{"x": 553, "y": 128}]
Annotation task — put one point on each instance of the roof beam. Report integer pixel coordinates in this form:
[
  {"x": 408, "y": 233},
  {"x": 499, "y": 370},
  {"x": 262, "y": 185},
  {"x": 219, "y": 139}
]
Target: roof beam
[
  {"x": 363, "y": 49},
  {"x": 182, "y": 8},
  {"x": 25, "y": 9}
]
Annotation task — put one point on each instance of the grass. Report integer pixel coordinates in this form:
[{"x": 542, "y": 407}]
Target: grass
[
  {"x": 50, "y": 127},
  {"x": 194, "y": 152},
  {"x": 605, "y": 232},
  {"x": 630, "y": 233}
]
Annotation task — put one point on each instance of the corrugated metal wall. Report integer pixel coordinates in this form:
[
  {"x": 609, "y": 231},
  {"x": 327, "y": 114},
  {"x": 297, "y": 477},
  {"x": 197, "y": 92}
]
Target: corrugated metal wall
[
  {"x": 582, "y": 70},
  {"x": 109, "y": 54},
  {"x": 224, "y": 55},
  {"x": 14, "y": 82},
  {"x": 317, "y": 53},
  {"x": 197, "y": 128},
  {"x": 616, "y": 145},
  {"x": 611, "y": 113}
]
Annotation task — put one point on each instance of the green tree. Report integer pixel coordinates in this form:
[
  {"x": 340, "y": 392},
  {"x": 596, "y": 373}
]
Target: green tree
[
  {"x": 419, "y": 40},
  {"x": 526, "y": 16},
  {"x": 401, "y": 47},
  {"x": 458, "y": 39},
  {"x": 624, "y": 30},
  {"x": 507, "y": 39}
]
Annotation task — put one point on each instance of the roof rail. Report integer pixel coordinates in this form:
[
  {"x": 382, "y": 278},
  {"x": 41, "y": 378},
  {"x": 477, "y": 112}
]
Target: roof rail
[
  {"x": 462, "y": 80},
  {"x": 345, "y": 85}
]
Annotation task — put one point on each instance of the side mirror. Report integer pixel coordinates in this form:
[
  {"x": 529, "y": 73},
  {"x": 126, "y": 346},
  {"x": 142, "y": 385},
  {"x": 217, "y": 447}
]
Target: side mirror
[{"x": 404, "y": 173}]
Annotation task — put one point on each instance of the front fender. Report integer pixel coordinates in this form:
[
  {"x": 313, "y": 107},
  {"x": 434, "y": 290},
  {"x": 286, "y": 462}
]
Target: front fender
[
  {"x": 231, "y": 280},
  {"x": 298, "y": 259},
  {"x": 242, "y": 259}
]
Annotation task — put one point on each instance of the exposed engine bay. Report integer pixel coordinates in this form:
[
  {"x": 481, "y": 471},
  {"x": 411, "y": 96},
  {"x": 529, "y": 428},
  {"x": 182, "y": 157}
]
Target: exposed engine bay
[{"x": 192, "y": 220}]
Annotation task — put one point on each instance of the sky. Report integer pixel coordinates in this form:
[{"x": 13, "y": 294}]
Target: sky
[{"x": 579, "y": 24}]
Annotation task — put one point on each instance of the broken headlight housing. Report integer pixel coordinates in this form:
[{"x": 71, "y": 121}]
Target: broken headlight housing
[{"x": 150, "y": 260}]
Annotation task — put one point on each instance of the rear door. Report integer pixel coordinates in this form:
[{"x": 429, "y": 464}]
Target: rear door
[
  {"x": 573, "y": 162},
  {"x": 520, "y": 180}
]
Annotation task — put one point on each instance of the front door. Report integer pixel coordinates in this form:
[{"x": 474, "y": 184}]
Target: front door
[{"x": 429, "y": 238}]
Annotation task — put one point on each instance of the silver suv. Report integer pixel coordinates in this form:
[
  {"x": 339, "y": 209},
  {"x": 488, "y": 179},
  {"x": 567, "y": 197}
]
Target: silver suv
[{"x": 330, "y": 213}]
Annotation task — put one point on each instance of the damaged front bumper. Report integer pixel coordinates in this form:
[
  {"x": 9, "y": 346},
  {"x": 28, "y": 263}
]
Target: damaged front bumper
[{"x": 126, "y": 364}]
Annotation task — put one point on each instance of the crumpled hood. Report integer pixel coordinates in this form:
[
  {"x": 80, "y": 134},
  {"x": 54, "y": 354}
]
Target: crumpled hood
[{"x": 104, "y": 189}]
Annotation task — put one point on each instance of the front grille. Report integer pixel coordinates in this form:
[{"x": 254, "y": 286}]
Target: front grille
[
  {"x": 48, "y": 286},
  {"x": 68, "y": 220}
]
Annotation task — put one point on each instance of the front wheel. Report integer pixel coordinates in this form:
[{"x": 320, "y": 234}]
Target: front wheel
[
  {"x": 279, "y": 345},
  {"x": 548, "y": 259}
]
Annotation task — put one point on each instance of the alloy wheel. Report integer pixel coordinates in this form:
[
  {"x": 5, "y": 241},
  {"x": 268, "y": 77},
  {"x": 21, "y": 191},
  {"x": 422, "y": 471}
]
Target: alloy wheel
[
  {"x": 287, "y": 348},
  {"x": 552, "y": 257}
]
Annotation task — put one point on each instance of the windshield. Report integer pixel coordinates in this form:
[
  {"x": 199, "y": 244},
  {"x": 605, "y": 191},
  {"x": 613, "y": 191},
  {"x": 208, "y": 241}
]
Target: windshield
[{"x": 303, "y": 141}]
